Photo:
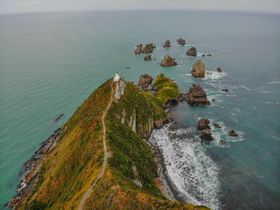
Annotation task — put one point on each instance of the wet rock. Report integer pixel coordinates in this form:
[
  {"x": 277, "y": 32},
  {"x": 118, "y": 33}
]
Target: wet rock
[
  {"x": 216, "y": 125},
  {"x": 203, "y": 124},
  {"x": 181, "y": 42},
  {"x": 59, "y": 117},
  {"x": 145, "y": 82},
  {"x": 198, "y": 69},
  {"x": 206, "y": 135},
  {"x": 138, "y": 49},
  {"x": 223, "y": 142},
  {"x": 197, "y": 96},
  {"x": 213, "y": 99},
  {"x": 219, "y": 70},
  {"x": 168, "y": 61},
  {"x": 148, "y": 48},
  {"x": 167, "y": 44},
  {"x": 192, "y": 52},
  {"x": 147, "y": 58},
  {"x": 232, "y": 133}
]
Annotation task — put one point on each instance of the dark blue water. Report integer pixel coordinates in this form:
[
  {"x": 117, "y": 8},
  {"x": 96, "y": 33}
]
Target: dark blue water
[{"x": 50, "y": 63}]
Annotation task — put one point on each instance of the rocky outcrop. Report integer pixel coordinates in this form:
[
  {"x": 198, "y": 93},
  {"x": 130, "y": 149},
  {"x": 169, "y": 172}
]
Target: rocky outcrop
[
  {"x": 219, "y": 70},
  {"x": 203, "y": 124},
  {"x": 197, "y": 96},
  {"x": 148, "y": 48},
  {"x": 138, "y": 49},
  {"x": 192, "y": 52},
  {"x": 198, "y": 69},
  {"x": 145, "y": 82},
  {"x": 216, "y": 125},
  {"x": 167, "y": 44},
  {"x": 168, "y": 61},
  {"x": 181, "y": 42},
  {"x": 147, "y": 58},
  {"x": 206, "y": 135},
  {"x": 232, "y": 133}
]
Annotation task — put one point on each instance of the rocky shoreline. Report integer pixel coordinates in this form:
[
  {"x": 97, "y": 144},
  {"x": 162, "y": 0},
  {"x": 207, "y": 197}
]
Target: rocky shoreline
[{"x": 32, "y": 167}]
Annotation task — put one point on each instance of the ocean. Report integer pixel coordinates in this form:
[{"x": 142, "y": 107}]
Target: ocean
[{"x": 51, "y": 62}]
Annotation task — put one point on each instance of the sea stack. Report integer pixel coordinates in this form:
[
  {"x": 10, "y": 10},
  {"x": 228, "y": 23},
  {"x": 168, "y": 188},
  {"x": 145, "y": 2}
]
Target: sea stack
[
  {"x": 168, "y": 61},
  {"x": 167, "y": 44},
  {"x": 138, "y": 49},
  {"x": 181, "y": 42},
  {"x": 192, "y": 52},
  {"x": 197, "y": 96},
  {"x": 148, "y": 48},
  {"x": 198, "y": 69},
  {"x": 147, "y": 58}
]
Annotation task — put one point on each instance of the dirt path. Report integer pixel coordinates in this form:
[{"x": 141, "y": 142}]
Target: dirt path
[{"x": 106, "y": 154}]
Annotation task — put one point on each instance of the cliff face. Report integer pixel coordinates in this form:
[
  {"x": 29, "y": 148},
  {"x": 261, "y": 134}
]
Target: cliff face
[{"x": 130, "y": 180}]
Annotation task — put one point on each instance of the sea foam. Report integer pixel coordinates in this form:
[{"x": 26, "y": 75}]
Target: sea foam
[{"x": 191, "y": 170}]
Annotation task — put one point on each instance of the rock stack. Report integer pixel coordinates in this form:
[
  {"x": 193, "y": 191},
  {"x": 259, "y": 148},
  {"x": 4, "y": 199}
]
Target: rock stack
[
  {"x": 181, "y": 42},
  {"x": 168, "y": 61},
  {"x": 198, "y": 69},
  {"x": 192, "y": 52},
  {"x": 167, "y": 44},
  {"x": 197, "y": 96}
]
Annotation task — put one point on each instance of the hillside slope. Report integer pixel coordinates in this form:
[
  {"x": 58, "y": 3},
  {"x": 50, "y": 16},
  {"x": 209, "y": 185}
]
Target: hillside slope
[{"x": 130, "y": 177}]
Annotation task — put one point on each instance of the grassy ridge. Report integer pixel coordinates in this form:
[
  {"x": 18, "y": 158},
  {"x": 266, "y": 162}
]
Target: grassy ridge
[{"x": 130, "y": 180}]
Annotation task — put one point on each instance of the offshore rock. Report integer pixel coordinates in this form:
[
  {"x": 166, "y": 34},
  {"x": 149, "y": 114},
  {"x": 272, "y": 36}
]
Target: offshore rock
[
  {"x": 148, "y": 48},
  {"x": 203, "y": 124},
  {"x": 138, "y": 49},
  {"x": 192, "y": 52},
  {"x": 197, "y": 96},
  {"x": 167, "y": 44},
  {"x": 181, "y": 42},
  {"x": 147, "y": 58},
  {"x": 168, "y": 61},
  {"x": 232, "y": 133},
  {"x": 219, "y": 70},
  {"x": 198, "y": 69},
  {"x": 206, "y": 135}
]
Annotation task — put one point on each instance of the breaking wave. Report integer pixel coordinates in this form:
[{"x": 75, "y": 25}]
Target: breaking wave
[{"x": 191, "y": 170}]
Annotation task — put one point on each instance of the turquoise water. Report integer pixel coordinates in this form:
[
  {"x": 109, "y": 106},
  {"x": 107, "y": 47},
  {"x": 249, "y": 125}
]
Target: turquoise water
[{"x": 50, "y": 63}]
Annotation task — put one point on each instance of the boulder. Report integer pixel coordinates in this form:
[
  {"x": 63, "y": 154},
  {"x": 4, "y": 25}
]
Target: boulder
[
  {"x": 203, "y": 124},
  {"x": 219, "y": 70},
  {"x": 181, "y": 42},
  {"x": 145, "y": 82},
  {"x": 168, "y": 61},
  {"x": 198, "y": 69},
  {"x": 167, "y": 44},
  {"x": 192, "y": 52},
  {"x": 138, "y": 49},
  {"x": 232, "y": 133},
  {"x": 197, "y": 96},
  {"x": 216, "y": 125},
  {"x": 147, "y": 58},
  {"x": 148, "y": 48},
  {"x": 206, "y": 135}
]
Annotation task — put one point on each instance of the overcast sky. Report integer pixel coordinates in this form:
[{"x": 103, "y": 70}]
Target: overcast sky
[{"x": 25, "y": 6}]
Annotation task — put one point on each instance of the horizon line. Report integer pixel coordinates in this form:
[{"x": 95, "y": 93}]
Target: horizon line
[{"x": 126, "y": 10}]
